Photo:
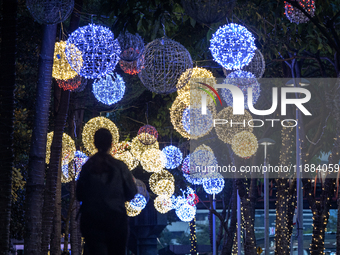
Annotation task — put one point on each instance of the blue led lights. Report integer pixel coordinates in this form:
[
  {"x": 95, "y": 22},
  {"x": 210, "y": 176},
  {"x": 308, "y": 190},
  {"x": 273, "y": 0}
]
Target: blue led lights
[
  {"x": 213, "y": 184},
  {"x": 242, "y": 80},
  {"x": 232, "y": 46},
  {"x": 173, "y": 155},
  {"x": 98, "y": 48},
  {"x": 79, "y": 160},
  {"x": 195, "y": 123},
  {"x": 109, "y": 89},
  {"x": 138, "y": 202},
  {"x": 186, "y": 165},
  {"x": 186, "y": 212}
]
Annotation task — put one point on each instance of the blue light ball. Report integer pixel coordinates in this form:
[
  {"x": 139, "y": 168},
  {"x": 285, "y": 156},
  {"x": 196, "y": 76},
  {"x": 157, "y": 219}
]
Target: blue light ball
[
  {"x": 109, "y": 89},
  {"x": 213, "y": 184},
  {"x": 232, "y": 46},
  {"x": 197, "y": 124},
  {"x": 173, "y": 155},
  {"x": 138, "y": 202},
  {"x": 186, "y": 212}
]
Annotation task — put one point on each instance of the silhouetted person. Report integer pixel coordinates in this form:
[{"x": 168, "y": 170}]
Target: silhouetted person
[{"x": 103, "y": 187}]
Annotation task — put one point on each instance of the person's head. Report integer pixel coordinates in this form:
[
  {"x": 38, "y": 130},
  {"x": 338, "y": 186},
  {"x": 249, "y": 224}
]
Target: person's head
[{"x": 103, "y": 139}]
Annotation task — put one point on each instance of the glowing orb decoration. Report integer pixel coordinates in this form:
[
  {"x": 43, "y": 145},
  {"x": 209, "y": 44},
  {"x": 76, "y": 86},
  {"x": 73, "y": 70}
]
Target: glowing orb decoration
[
  {"x": 138, "y": 148},
  {"x": 173, "y": 155},
  {"x": 138, "y": 202},
  {"x": 131, "y": 67},
  {"x": 164, "y": 62},
  {"x": 90, "y": 129},
  {"x": 80, "y": 159},
  {"x": 130, "y": 211},
  {"x": 109, "y": 89},
  {"x": 232, "y": 46},
  {"x": 244, "y": 144},
  {"x": 295, "y": 15},
  {"x": 214, "y": 184},
  {"x": 51, "y": 11},
  {"x": 162, "y": 183},
  {"x": 177, "y": 109},
  {"x": 99, "y": 51},
  {"x": 121, "y": 151},
  {"x": 142, "y": 189},
  {"x": 242, "y": 80},
  {"x": 186, "y": 165},
  {"x": 163, "y": 204},
  {"x": 153, "y": 160},
  {"x": 71, "y": 84},
  {"x": 147, "y": 134},
  {"x": 132, "y": 46},
  {"x": 202, "y": 162},
  {"x": 186, "y": 212},
  {"x": 226, "y": 132},
  {"x": 192, "y": 199},
  {"x": 177, "y": 202},
  {"x": 67, "y": 150}
]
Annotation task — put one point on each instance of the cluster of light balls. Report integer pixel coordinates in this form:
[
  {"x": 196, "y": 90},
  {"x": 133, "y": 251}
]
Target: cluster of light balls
[
  {"x": 244, "y": 144},
  {"x": 295, "y": 15},
  {"x": 109, "y": 89},
  {"x": 232, "y": 46},
  {"x": 173, "y": 155},
  {"x": 243, "y": 80},
  {"x": 68, "y": 148}
]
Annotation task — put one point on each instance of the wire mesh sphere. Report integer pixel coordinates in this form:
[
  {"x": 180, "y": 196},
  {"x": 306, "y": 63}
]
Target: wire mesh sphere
[
  {"x": 90, "y": 129},
  {"x": 214, "y": 184},
  {"x": 173, "y": 155},
  {"x": 147, "y": 135},
  {"x": 243, "y": 80},
  {"x": 232, "y": 46},
  {"x": 131, "y": 67},
  {"x": 138, "y": 202},
  {"x": 80, "y": 159},
  {"x": 121, "y": 151},
  {"x": 99, "y": 51},
  {"x": 109, "y": 89},
  {"x": 244, "y": 144},
  {"x": 132, "y": 46},
  {"x": 51, "y": 11},
  {"x": 70, "y": 84},
  {"x": 130, "y": 211},
  {"x": 181, "y": 103},
  {"x": 163, "y": 204},
  {"x": 208, "y": 11},
  {"x": 160, "y": 176},
  {"x": 295, "y": 15},
  {"x": 138, "y": 148},
  {"x": 153, "y": 160},
  {"x": 186, "y": 212},
  {"x": 61, "y": 68},
  {"x": 226, "y": 132},
  {"x": 68, "y": 148},
  {"x": 164, "y": 62}
]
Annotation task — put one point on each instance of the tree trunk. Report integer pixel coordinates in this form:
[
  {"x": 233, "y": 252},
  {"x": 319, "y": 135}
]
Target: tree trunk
[
  {"x": 7, "y": 86},
  {"x": 36, "y": 165},
  {"x": 68, "y": 217},
  {"x": 74, "y": 226}
]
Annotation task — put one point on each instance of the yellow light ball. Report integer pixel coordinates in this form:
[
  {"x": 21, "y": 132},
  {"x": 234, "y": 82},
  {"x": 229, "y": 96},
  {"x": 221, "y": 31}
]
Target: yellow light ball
[
  {"x": 131, "y": 212},
  {"x": 68, "y": 148},
  {"x": 177, "y": 109},
  {"x": 163, "y": 204},
  {"x": 162, "y": 183},
  {"x": 244, "y": 144},
  {"x": 90, "y": 129},
  {"x": 153, "y": 160},
  {"x": 121, "y": 151},
  {"x": 137, "y": 147}
]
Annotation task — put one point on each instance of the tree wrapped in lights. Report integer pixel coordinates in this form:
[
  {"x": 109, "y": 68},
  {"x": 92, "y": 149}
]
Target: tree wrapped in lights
[
  {"x": 295, "y": 15},
  {"x": 162, "y": 183},
  {"x": 242, "y": 80},
  {"x": 109, "y": 89},
  {"x": 138, "y": 148},
  {"x": 163, "y": 204},
  {"x": 173, "y": 155},
  {"x": 68, "y": 148},
  {"x": 147, "y": 134},
  {"x": 153, "y": 160},
  {"x": 132, "y": 46},
  {"x": 70, "y": 84},
  {"x": 67, "y": 173},
  {"x": 51, "y": 11},
  {"x": 130, "y": 211},
  {"x": 244, "y": 144},
  {"x": 226, "y": 132},
  {"x": 90, "y": 129},
  {"x": 164, "y": 62},
  {"x": 232, "y": 46},
  {"x": 99, "y": 51},
  {"x": 121, "y": 151}
]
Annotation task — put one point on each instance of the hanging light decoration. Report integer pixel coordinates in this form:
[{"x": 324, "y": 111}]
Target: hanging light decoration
[
  {"x": 109, "y": 89},
  {"x": 80, "y": 159},
  {"x": 147, "y": 134},
  {"x": 181, "y": 103},
  {"x": 164, "y": 62},
  {"x": 162, "y": 183},
  {"x": 99, "y": 51},
  {"x": 163, "y": 204},
  {"x": 295, "y": 15},
  {"x": 138, "y": 148},
  {"x": 67, "y": 150},
  {"x": 226, "y": 132},
  {"x": 232, "y": 46},
  {"x": 177, "y": 202},
  {"x": 131, "y": 67},
  {"x": 138, "y": 202},
  {"x": 153, "y": 160},
  {"x": 82, "y": 85},
  {"x": 51, "y": 11},
  {"x": 121, "y": 151},
  {"x": 70, "y": 84},
  {"x": 244, "y": 144},
  {"x": 213, "y": 184},
  {"x": 173, "y": 155},
  {"x": 202, "y": 163},
  {"x": 132, "y": 46},
  {"x": 90, "y": 129},
  {"x": 242, "y": 80},
  {"x": 130, "y": 211},
  {"x": 186, "y": 212}
]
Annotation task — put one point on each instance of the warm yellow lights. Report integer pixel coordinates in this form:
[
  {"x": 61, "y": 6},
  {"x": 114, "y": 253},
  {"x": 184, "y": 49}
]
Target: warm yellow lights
[
  {"x": 244, "y": 144},
  {"x": 162, "y": 183},
  {"x": 131, "y": 212},
  {"x": 137, "y": 147},
  {"x": 68, "y": 148},
  {"x": 153, "y": 160},
  {"x": 163, "y": 204}
]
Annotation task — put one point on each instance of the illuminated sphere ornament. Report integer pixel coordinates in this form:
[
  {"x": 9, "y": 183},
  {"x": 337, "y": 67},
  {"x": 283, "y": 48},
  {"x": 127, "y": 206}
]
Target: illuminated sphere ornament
[
  {"x": 132, "y": 46},
  {"x": 90, "y": 129},
  {"x": 121, "y": 151},
  {"x": 80, "y": 159},
  {"x": 162, "y": 183},
  {"x": 61, "y": 68},
  {"x": 163, "y": 204},
  {"x": 99, "y": 51},
  {"x": 232, "y": 46},
  {"x": 51, "y": 11},
  {"x": 138, "y": 148},
  {"x": 70, "y": 84},
  {"x": 131, "y": 67},
  {"x": 177, "y": 202},
  {"x": 173, "y": 155},
  {"x": 138, "y": 202},
  {"x": 153, "y": 160},
  {"x": 147, "y": 134},
  {"x": 202, "y": 162},
  {"x": 68, "y": 148},
  {"x": 226, "y": 132},
  {"x": 244, "y": 144},
  {"x": 164, "y": 62},
  {"x": 213, "y": 184},
  {"x": 109, "y": 89},
  {"x": 186, "y": 212},
  {"x": 130, "y": 211},
  {"x": 242, "y": 80},
  {"x": 295, "y": 15}
]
